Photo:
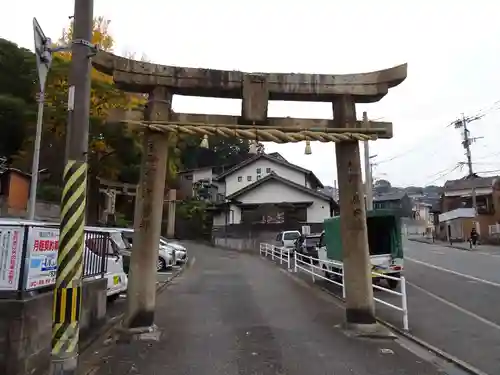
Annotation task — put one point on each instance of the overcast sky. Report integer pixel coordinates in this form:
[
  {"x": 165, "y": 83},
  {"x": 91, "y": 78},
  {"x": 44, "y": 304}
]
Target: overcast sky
[{"x": 452, "y": 48}]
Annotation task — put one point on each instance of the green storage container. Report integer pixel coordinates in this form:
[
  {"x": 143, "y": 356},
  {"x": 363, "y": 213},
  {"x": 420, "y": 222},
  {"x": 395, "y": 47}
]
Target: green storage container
[{"x": 384, "y": 235}]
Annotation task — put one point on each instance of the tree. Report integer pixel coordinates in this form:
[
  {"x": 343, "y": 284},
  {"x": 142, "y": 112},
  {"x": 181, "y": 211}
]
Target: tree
[
  {"x": 260, "y": 148},
  {"x": 17, "y": 72},
  {"x": 13, "y": 115},
  {"x": 382, "y": 186},
  {"x": 17, "y": 99},
  {"x": 221, "y": 151}
]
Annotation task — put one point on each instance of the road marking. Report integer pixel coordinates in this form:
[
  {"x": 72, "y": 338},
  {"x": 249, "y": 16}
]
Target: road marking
[
  {"x": 451, "y": 304},
  {"x": 454, "y": 272},
  {"x": 489, "y": 254}
]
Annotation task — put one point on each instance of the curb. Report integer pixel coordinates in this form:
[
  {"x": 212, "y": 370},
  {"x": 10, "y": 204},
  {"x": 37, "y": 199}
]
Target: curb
[
  {"x": 115, "y": 321},
  {"x": 440, "y": 244},
  {"x": 438, "y": 352}
]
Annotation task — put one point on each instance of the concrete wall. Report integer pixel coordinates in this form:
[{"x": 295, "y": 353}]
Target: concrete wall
[
  {"x": 240, "y": 244},
  {"x": 43, "y": 210},
  {"x": 26, "y": 328}
]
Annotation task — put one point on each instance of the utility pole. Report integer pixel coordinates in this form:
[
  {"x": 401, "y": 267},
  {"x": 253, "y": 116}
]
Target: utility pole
[
  {"x": 68, "y": 290},
  {"x": 466, "y": 143}
]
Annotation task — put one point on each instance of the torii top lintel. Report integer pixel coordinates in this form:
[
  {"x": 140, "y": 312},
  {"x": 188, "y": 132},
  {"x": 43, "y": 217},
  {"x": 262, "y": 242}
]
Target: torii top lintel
[{"x": 139, "y": 76}]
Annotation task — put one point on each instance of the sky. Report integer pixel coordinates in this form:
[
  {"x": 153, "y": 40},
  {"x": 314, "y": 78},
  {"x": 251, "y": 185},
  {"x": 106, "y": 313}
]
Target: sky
[{"x": 452, "y": 49}]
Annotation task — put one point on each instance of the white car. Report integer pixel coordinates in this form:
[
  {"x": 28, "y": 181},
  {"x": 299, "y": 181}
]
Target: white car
[
  {"x": 166, "y": 254},
  {"x": 180, "y": 250},
  {"x": 114, "y": 247},
  {"x": 287, "y": 238}
]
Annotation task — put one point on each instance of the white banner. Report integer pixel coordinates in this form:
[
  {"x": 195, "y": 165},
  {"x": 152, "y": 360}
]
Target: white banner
[
  {"x": 42, "y": 247},
  {"x": 11, "y": 245}
]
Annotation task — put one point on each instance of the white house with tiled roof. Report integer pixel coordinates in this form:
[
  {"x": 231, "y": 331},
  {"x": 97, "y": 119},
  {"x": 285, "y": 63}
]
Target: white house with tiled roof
[{"x": 269, "y": 180}]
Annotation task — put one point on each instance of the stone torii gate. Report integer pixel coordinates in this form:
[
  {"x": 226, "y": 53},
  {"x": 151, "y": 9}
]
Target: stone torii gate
[{"x": 161, "y": 126}]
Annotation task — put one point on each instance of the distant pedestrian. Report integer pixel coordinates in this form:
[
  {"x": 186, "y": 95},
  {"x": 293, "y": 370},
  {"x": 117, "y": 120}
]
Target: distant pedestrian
[{"x": 473, "y": 237}]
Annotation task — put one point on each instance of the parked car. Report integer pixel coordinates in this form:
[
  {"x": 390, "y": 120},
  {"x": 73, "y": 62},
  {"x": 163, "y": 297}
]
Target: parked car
[
  {"x": 287, "y": 238},
  {"x": 307, "y": 244},
  {"x": 166, "y": 254},
  {"x": 180, "y": 250},
  {"x": 114, "y": 248}
]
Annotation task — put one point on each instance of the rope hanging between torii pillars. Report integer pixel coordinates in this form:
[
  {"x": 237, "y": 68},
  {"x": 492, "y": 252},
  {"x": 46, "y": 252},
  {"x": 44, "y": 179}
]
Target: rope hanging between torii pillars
[{"x": 265, "y": 133}]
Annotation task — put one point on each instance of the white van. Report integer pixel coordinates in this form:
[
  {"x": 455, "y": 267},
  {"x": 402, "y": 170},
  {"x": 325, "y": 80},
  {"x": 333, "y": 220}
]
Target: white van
[
  {"x": 287, "y": 238},
  {"x": 114, "y": 246}
]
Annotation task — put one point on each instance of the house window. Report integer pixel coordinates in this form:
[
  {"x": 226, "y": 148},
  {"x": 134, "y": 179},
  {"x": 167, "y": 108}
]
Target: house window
[
  {"x": 240, "y": 178},
  {"x": 268, "y": 170},
  {"x": 249, "y": 178},
  {"x": 259, "y": 171},
  {"x": 188, "y": 177}
]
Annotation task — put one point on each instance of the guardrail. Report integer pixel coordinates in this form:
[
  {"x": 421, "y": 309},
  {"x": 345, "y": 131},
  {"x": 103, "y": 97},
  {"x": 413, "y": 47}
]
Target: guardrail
[
  {"x": 310, "y": 264},
  {"x": 281, "y": 253},
  {"x": 298, "y": 262}
]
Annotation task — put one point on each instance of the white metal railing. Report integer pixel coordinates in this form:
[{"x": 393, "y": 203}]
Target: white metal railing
[
  {"x": 281, "y": 253},
  {"x": 314, "y": 266},
  {"x": 300, "y": 264}
]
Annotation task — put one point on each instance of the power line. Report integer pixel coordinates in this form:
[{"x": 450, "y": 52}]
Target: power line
[
  {"x": 416, "y": 147},
  {"x": 444, "y": 174},
  {"x": 492, "y": 171},
  {"x": 478, "y": 115}
]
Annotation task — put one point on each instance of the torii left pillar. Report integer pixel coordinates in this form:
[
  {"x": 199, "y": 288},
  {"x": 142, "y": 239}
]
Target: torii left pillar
[{"x": 148, "y": 217}]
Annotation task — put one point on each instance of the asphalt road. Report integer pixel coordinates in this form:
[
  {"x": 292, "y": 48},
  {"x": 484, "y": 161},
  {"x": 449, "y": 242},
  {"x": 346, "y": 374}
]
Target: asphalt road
[
  {"x": 234, "y": 313},
  {"x": 453, "y": 302}
]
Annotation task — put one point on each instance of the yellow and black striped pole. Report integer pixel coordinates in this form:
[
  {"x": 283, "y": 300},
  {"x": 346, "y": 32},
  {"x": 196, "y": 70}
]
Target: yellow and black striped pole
[{"x": 68, "y": 291}]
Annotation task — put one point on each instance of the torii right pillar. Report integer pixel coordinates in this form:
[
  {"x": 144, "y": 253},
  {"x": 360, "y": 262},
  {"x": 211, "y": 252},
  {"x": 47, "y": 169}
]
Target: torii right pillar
[{"x": 360, "y": 309}]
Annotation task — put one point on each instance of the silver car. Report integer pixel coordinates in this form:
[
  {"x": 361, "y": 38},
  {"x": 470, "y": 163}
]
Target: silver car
[{"x": 166, "y": 254}]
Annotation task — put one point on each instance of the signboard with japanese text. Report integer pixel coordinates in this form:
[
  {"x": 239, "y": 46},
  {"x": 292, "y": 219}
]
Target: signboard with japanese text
[
  {"x": 11, "y": 245},
  {"x": 42, "y": 247}
]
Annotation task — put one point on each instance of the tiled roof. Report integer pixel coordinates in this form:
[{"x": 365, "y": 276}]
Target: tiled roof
[
  {"x": 469, "y": 183},
  {"x": 389, "y": 197}
]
